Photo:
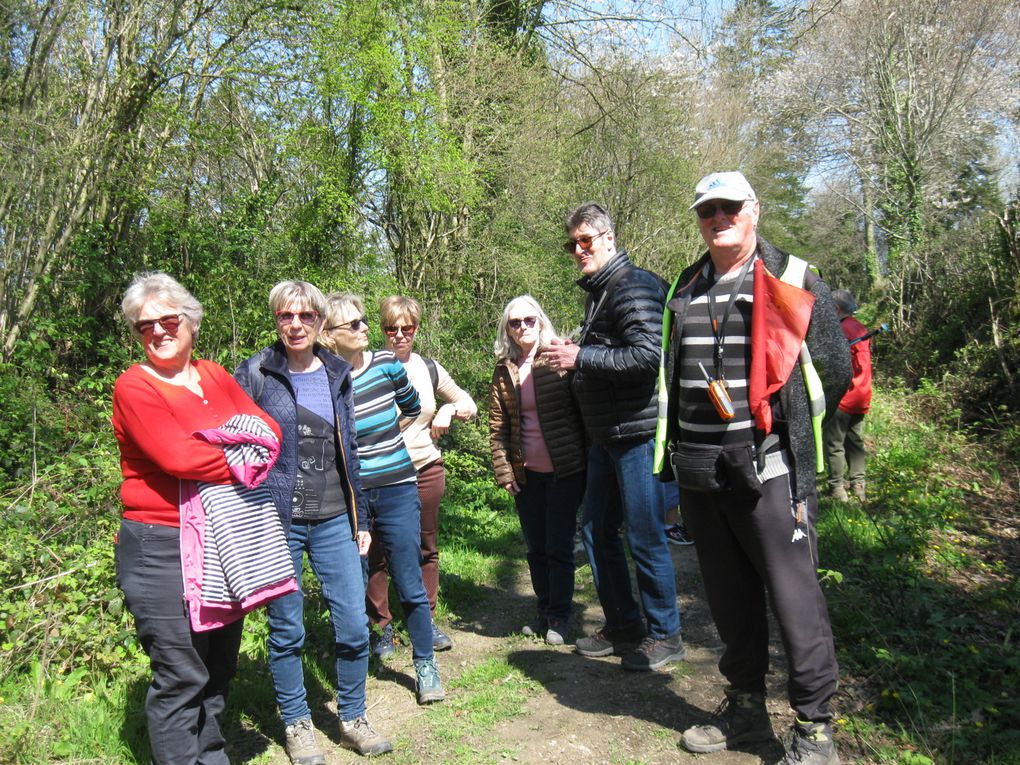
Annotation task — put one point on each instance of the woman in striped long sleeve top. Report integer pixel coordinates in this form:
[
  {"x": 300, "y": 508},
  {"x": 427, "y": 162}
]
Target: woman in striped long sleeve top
[{"x": 382, "y": 392}]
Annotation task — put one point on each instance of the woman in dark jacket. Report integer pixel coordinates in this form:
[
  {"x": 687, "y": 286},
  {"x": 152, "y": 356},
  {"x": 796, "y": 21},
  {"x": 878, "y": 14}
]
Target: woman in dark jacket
[
  {"x": 317, "y": 488},
  {"x": 538, "y": 454}
]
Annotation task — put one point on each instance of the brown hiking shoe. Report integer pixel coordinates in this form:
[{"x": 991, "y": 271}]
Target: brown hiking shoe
[
  {"x": 359, "y": 735},
  {"x": 741, "y": 718},
  {"x": 302, "y": 746}
]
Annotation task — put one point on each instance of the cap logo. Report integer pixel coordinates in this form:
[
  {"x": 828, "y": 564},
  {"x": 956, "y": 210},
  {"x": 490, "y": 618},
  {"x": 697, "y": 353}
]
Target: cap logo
[{"x": 713, "y": 184}]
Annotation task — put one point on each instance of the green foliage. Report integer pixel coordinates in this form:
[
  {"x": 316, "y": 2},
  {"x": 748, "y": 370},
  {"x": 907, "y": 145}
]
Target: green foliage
[{"x": 921, "y": 616}]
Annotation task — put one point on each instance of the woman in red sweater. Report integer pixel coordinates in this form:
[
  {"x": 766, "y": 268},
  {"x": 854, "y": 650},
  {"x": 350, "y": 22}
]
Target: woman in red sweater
[{"x": 158, "y": 405}]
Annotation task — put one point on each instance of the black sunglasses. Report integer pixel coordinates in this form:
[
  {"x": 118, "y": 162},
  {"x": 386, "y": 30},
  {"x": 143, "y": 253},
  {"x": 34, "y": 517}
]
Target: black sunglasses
[
  {"x": 354, "y": 325},
  {"x": 728, "y": 206}
]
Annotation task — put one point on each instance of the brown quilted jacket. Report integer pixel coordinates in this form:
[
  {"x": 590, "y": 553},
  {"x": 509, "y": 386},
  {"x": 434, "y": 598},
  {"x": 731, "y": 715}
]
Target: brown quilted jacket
[{"x": 558, "y": 416}]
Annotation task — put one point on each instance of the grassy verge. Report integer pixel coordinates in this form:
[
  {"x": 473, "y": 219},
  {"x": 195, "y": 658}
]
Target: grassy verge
[{"x": 927, "y": 600}]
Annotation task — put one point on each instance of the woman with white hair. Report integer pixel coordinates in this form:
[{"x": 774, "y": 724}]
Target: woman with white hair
[
  {"x": 316, "y": 485},
  {"x": 159, "y": 406},
  {"x": 539, "y": 456}
]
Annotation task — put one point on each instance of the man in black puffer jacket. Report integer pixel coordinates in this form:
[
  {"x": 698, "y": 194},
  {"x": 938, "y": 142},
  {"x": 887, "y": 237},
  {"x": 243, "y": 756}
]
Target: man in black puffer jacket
[{"x": 615, "y": 365}]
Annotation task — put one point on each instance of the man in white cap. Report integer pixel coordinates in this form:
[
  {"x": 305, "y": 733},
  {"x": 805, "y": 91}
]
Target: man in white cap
[{"x": 752, "y": 357}]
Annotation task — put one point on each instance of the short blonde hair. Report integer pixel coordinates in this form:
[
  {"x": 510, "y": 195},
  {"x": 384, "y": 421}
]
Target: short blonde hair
[
  {"x": 286, "y": 292},
  {"x": 507, "y": 348},
  {"x": 337, "y": 304},
  {"x": 395, "y": 306},
  {"x": 156, "y": 284}
]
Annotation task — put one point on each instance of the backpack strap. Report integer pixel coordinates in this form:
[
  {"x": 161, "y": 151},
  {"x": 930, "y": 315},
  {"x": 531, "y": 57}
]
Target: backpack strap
[{"x": 433, "y": 373}]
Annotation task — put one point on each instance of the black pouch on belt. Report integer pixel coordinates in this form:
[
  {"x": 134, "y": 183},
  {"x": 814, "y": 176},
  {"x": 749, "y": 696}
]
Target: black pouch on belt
[
  {"x": 741, "y": 467},
  {"x": 697, "y": 467}
]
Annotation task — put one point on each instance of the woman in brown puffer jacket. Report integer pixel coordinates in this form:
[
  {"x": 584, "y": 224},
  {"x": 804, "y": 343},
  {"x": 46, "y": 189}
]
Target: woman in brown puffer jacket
[{"x": 539, "y": 456}]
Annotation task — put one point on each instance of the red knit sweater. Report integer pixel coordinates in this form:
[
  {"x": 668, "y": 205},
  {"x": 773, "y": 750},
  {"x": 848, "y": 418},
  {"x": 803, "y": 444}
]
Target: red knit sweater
[{"x": 154, "y": 422}]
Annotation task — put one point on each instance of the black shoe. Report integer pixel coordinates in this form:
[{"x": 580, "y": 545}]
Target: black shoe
[
  {"x": 606, "y": 641},
  {"x": 811, "y": 744},
  {"x": 677, "y": 535},
  {"x": 380, "y": 644},
  {"x": 655, "y": 654}
]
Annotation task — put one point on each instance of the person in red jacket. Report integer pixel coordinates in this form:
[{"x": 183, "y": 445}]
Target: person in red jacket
[
  {"x": 844, "y": 430},
  {"x": 158, "y": 405}
]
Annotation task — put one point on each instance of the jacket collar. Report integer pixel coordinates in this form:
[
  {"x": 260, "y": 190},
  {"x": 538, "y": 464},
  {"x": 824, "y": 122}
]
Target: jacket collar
[
  {"x": 597, "y": 281},
  {"x": 275, "y": 360},
  {"x": 773, "y": 258}
]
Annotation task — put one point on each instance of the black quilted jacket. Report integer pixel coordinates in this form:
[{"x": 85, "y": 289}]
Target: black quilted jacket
[
  {"x": 617, "y": 368},
  {"x": 264, "y": 377}
]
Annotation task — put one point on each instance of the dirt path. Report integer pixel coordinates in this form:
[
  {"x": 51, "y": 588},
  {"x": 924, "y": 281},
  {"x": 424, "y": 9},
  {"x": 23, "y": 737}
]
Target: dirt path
[{"x": 578, "y": 710}]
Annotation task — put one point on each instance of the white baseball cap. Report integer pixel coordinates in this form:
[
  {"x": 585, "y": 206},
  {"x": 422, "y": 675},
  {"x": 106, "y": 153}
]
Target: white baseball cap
[{"x": 731, "y": 185}]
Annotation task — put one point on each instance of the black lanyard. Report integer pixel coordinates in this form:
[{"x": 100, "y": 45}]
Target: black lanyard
[{"x": 719, "y": 327}]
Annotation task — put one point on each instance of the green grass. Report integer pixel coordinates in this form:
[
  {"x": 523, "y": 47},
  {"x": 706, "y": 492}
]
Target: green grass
[{"x": 923, "y": 609}]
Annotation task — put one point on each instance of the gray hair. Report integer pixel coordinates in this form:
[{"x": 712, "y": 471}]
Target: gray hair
[
  {"x": 337, "y": 304},
  {"x": 287, "y": 292},
  {"x": 505, "y": 347},
  {"x": 844, "y": 300},
  {"x": 591, "y": 213},
  {"x": 163, "y": 287}
]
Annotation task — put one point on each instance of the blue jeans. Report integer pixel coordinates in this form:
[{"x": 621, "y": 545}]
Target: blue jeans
[
  {"x": 622, "y": 490},
  {"x": 547, "y": 508},
  {"x": 334, "y": 558},
  {"x": 396, "y": 527},
  {"x": 191, "y": 671}
]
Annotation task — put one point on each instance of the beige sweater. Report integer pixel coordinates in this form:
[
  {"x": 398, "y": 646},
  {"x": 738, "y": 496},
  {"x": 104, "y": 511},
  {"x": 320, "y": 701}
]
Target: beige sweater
[{"x": 417, "y": 437}]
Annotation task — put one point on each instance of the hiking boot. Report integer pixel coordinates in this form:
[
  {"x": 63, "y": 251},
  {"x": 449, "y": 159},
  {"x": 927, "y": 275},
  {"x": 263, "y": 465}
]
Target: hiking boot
[
  {"x": 359, "y": 735},
  {"x": 607, "y": 640},
  {"x": 380, "y": 644},
  {"x": 557, "y": 632},
  {"x": 741, "y": 718},
  {"x": 811, "y": 744},
  {"x": 655, "y": 654},
  {"x": 440, "y": 640},
  {"x": 839, "y": 493},
  {"x": 302, "y": 746},
  {"x": 677, "y": 535},
  {"x": 857, "y": 489},
  {"x": 427, "y": 681}
]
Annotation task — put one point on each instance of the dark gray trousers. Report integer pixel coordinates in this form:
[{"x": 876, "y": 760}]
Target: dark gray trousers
[
  {"x": 747, "y": 548},
  {"x": 191, "y": 671}
]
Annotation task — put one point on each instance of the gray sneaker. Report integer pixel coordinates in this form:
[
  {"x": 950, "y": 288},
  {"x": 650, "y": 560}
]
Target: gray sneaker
[
  {"x": 810, "y": 744},
  {"x": 359, "y": 735},
  {"x": 536, "y": 628},
  {"x": 741, "y": 718},
  {"x": 607, "y": 640},
  {"x": 302, "y": 746},
  {"x": 440, "y": 640},
  {"x": 427, "y": 681},
  {"x": 654, "y": 653}
]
